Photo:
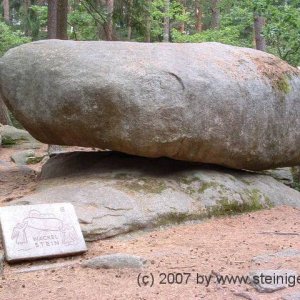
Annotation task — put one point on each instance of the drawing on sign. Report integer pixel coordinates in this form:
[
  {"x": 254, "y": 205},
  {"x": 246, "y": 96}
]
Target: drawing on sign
[{"x": 44, "y": 223}]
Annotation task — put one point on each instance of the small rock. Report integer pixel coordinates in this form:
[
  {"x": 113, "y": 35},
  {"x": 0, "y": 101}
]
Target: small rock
[
  {"x": 268, "y": 281},
  {"x": 26, "y": 157},
  {"x": 285, "y": 175},
  {"x": 11, "y": 135},
  {"x": 284, "y": 253},
  {"x": 2, "y": 256},
  {"x": 20, "y": 158},
  {"x": 115, "y": 261},
  {"x": 43, "y": 267},
  {"x": 294, "y": 296}
]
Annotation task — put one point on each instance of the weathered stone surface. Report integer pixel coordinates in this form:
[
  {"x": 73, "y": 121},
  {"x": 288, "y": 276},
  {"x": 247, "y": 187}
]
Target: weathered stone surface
[
  {"x": 46, "y": 230},
  {"x": 278, "y": 280},
  {"x": 207, "y": 102},
  {"x": 55, "y": 149},
  {"x": 115, "y": 261},
  {"x": 115, "y": 193}
]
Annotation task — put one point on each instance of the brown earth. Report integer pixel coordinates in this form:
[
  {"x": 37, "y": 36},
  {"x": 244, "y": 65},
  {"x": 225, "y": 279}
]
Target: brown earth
[{"x": 223, "y": 246}]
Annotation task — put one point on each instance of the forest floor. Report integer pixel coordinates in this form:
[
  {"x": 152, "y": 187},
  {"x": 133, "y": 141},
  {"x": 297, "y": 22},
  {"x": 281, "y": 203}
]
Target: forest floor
[{"x": 213, "y": 247}]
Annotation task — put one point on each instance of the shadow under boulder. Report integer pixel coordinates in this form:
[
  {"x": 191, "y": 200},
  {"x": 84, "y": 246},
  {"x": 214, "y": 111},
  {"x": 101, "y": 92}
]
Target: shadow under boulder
[{"x": 114, "y": 193}]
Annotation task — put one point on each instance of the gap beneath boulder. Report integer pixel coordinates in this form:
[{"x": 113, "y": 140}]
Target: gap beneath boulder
[{"x": 114, "y": 193}]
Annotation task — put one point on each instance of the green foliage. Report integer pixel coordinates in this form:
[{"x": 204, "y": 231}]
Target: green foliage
[
  {"x": 84, "y": 25},
  {"x": 36, "y": 21},
  {"x": 282, "y": 29},
  {"x": 236, "y": 27},
  {"x": 283, "y": 32},
  {"x": 177, "y": 15},
  {"x": 227, "y": 35},
  {"x": 10, "y": 38}
]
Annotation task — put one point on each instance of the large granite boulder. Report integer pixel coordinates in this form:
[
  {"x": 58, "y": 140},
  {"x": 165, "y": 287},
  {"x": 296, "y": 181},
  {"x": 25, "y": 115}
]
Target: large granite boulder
[
  {"x": 208, "y": 102},
  {"x": 114, "y": 193}
]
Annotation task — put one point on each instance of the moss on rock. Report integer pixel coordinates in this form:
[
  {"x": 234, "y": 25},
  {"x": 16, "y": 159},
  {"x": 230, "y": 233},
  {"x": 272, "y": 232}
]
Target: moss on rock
[
  {"x": 34, "y": 160},
  {"x": 210, "y": 184},
  {"x": 255, "y": 201},
  {"x": 283, "y": 84},
  {"x": 8, "y": 141},
  {"x": 147, "y": 185}
]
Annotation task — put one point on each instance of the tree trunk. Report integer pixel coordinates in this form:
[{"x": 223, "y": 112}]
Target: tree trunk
[
  {"x": 129, "y": 25},
  {"x": 148, "y": 22},
  {"x": 106, "y": 30},
  {"x": 166, "y": 34},
  {"x": 100, "y": 26},
  {"x": 109, "y": 21},
  {"x": 215, "y": 14},
  {"x": 198, "y": 15},
  {"x": 6, "y": 11},
  {"x": 62, "y": 20},
  {"x": 27, "y": 28},
  {"x": 259, "y": 23},
  {"x": 52, "y": 19},
  {"x": 27, "y": 4},
  {"x": 182, "y": 25},
  {"x": 57, "y": 19},
  {"x": 4, "y": 116}
]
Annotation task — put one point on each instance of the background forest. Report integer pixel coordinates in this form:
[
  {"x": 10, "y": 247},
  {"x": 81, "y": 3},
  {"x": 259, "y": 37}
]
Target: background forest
[{"x": 268, "y": 25}]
